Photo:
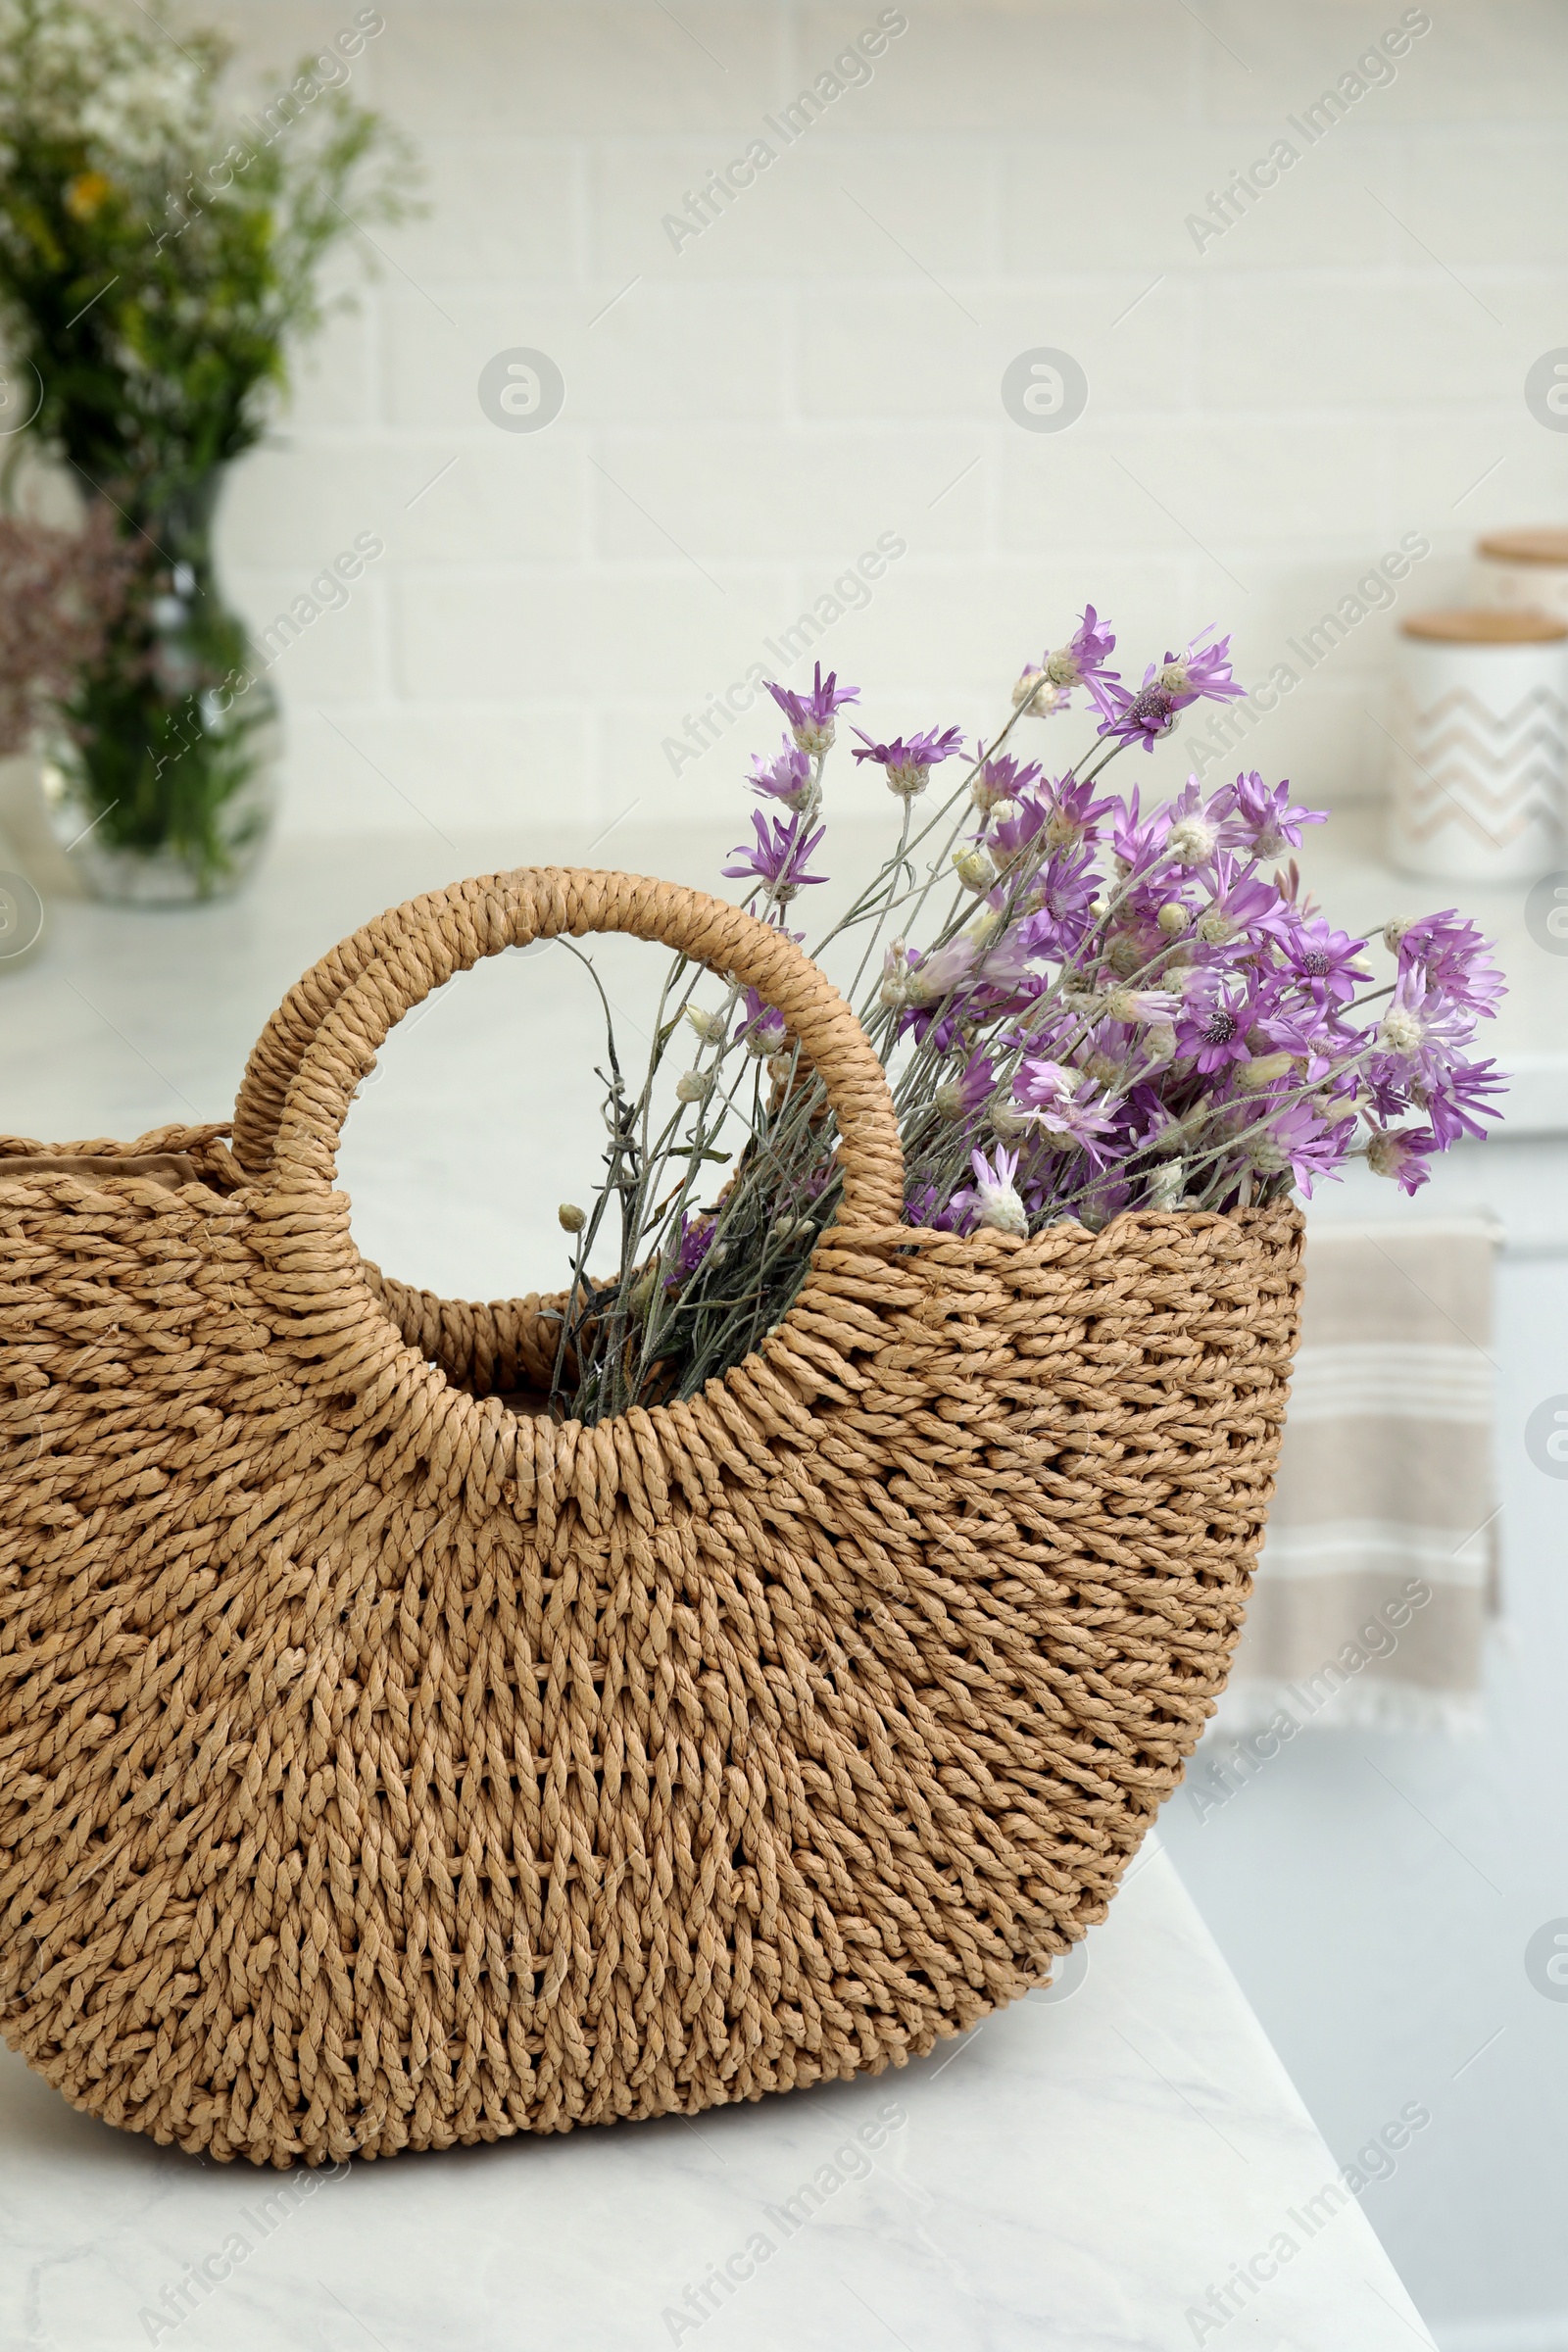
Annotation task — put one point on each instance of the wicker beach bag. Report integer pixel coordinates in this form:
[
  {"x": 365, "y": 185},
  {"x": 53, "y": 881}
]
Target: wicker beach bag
[{"x": 384, "y": 1765}]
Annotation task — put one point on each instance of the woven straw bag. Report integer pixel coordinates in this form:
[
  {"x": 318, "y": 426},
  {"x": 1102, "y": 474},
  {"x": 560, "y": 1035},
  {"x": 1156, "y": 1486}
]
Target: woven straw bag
[{"x": 384, "y": 1767}]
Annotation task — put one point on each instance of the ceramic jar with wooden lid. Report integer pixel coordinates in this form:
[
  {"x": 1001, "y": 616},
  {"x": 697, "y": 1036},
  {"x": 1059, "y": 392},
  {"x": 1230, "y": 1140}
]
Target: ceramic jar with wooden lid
[
  {"x": 1480, "y": 726},
  {"x": 1524, "y": 567}
]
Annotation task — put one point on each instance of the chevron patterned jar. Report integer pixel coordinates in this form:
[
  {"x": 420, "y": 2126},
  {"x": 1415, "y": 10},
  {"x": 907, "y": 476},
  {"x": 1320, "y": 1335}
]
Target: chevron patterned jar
[
  {"x": 1480, "y": 726},
  {"x": 1523, "y": 567}
]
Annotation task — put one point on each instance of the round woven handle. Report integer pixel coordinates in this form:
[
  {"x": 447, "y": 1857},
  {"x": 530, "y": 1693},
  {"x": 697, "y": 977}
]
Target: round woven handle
[{"x": 312, "y": 1077}]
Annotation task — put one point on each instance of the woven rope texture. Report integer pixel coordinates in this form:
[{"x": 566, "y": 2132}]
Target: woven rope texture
[{"x": 380, "y": 1768}]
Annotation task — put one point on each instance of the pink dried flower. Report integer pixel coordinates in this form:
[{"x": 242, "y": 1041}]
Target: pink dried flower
[{"x": 61, "y": 594}]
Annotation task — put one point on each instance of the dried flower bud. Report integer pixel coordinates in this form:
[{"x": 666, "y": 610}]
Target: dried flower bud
[
  {"x": 570, "y": 1219},
  {"x": 1167, "y": 1184},
  {"x": 766, "y": 1038},
  {"x": 1214, "y": 929},
  {"x": 1393, "y": 932},
  {"x": 710, "y": 1026},
  {"x": 1262, "y": 1070},
  {"x": 895, "y": 989},
  {"x": 987, "y": 923},
  {"x": 1173, "y": 918},
  {"x": 692, "y": 1085},
  {"x": 1035, "y": 692},
  {"x": 1266, "y": 1153},
  {"x": 1159, "y": 1041},
  {"x": 1008, "y": 1119},
  {"x": 781, "y": 1068},
  {"x": 973, "y": 868},
  {"x": 1191, "y": 842}
]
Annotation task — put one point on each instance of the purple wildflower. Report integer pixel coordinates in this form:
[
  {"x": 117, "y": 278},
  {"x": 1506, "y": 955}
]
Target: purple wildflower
[
  {"x": 1001, "y": 778},
  {"x": 924, "y": 1206},
  {"x": 1323, "y": 960},
  {"x": 786, "y": 777},
  {"x": 1140, "y": 717},
  {"x": 960, "y": 1097},
  {"x": 1263, "y": 824},
  {"x": 1401, "y": 1152},
  {"x": 1422, "y": 1031},
  {"x": 696, "y": 1240},
  {"x": 1072, "y": 813},
  {"x": 1010, "y": 838},
  {"x": 993, "y": 1200},
  {"x": 1455, "y": 958},
  {"x": 1243, "y": 911},
  {"x": 930, "y": 978},
  {"x": 763, "y": 1028},
  {"x": 1456, "y": 1101},
  {"x": 1202, "y": 670},
  {"x": 811, "y": 715},
  {"x": 1149, "y": 712},
  {"x": 1082, "y": 662},
  {"x": 1196, "y": 825},
  {"x": 1060, "y": 901},
  {"x": 1130, "y": 1006},
  {"x": 1137, "y": 841},
  {"x": 908, "y": 764},
  {"x": 1061, "y": 1105},
  {"x": 778, "y": 858},
  {"x": 1297, "y": 1139},
  {"x": 1213, "y": 1030}
]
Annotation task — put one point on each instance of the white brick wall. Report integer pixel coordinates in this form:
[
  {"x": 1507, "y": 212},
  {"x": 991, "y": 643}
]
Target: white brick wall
[{"x": 822, "y": 364}]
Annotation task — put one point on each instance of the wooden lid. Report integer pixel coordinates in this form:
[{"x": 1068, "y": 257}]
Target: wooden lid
[
  {"x": 1526, "y": 547},
  {"x": 1506, "y": 624}
]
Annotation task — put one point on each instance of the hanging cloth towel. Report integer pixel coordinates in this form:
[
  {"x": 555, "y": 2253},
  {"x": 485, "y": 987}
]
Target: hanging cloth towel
[{"x": 1379, "y": 1569}]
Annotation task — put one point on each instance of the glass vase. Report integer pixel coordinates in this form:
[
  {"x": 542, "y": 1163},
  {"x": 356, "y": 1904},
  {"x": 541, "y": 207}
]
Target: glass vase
[{"x": 160, "y": 777}]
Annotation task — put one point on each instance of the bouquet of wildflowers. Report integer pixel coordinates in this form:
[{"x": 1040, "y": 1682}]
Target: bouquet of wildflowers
[
  {"x": 159, "y": 257},
  {"x": 1084, "y": 1006}
]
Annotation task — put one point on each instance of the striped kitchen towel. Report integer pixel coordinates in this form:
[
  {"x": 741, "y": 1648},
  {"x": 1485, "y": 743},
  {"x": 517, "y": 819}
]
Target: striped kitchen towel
[{"x": 1378, "y": 1572}]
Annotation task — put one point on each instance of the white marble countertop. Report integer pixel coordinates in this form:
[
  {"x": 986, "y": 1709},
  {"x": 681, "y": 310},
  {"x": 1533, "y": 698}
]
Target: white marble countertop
[{"x": 1120, "y": 2164}]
